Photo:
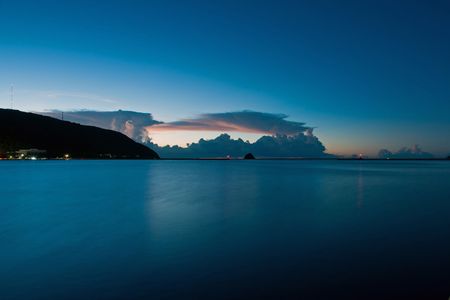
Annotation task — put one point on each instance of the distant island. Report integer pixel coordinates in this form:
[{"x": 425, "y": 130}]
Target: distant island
[
  {"x": 249, "y": 156},
  {"x": 22, "y": 133}
]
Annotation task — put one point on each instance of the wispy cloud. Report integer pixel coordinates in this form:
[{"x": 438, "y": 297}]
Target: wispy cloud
[
  {"x": 59, "y": 94},
  {"x": 75, "y": 95}
]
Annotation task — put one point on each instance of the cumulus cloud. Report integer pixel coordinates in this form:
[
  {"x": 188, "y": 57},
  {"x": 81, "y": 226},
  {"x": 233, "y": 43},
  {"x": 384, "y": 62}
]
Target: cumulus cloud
[
  {"x": 405, "y": 152},
  {"x": 299, "y": 145},
  {"x": 241, "y": 121},
  {"x": 133, "y": 124},
  {"x": 283, "y": 138}
]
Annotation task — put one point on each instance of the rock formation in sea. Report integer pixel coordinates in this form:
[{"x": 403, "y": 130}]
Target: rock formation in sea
[{"x": 249, "y": 156}]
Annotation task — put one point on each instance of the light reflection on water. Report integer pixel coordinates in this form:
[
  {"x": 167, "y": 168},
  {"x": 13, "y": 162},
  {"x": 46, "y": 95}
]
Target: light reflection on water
[{"x": 224, "y": 229}]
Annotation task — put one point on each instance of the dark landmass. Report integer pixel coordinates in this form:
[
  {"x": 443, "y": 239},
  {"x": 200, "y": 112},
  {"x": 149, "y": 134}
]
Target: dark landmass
[
  {"x": 249, "y": 156},
  {"x": 20, "y": 130}
]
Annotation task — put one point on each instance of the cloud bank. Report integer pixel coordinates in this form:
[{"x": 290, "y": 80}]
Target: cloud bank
[
  {"x": 241, "y": 121},
  {"x": 282, "y": 138},
  {"x": 133, "y": 124},
  {"x": 299, "y": 145},
  {"x": 413, "y": 152}
]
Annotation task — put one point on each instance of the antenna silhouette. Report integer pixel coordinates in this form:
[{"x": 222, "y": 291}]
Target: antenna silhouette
[{"x": 11, "y": 95}]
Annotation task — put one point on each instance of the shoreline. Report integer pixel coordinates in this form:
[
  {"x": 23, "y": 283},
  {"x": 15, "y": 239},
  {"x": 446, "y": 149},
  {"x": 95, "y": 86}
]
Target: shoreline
[{"x": 240, "y": 159}]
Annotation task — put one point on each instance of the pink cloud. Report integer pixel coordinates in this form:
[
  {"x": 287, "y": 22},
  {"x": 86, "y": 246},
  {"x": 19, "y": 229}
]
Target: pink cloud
[{"x": 244, "y": 121}]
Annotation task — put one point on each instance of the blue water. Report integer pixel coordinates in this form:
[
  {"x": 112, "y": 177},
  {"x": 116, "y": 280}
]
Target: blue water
[{"x": 224, "y": 230}]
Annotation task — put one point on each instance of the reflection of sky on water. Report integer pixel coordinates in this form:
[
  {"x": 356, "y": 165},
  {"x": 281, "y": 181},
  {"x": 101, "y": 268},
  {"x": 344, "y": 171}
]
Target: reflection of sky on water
[
  {"x": 217, "y": 229},
  {"x": 360, "y": 188}
]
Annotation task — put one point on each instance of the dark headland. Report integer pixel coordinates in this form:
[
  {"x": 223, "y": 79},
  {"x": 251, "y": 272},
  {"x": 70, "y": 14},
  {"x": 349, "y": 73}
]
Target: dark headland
[{"x": 21, "y": 130}]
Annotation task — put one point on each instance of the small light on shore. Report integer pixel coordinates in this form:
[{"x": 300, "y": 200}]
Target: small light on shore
[{"x": 66, "y": 156}]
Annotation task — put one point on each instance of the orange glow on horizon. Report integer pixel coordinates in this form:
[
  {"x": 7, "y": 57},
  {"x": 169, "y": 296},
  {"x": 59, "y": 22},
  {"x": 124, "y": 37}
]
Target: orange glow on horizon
[{"x": 216, "y": 127}]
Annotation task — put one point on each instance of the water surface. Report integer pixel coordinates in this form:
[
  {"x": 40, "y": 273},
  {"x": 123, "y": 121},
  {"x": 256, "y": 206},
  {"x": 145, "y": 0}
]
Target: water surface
[{"x": 224, "y": 229}]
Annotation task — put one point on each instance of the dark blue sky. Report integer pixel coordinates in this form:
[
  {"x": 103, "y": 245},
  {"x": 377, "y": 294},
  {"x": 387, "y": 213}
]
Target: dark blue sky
[{"x": 368, "y": 74}]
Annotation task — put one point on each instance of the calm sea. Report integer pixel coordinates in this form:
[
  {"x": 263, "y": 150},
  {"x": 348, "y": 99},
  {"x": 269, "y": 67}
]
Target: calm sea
[{"x": 224, "y": 230}]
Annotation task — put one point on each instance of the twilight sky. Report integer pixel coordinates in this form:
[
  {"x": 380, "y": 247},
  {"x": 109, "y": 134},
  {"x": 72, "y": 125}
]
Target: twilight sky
[{"x": 365, "y": 74}]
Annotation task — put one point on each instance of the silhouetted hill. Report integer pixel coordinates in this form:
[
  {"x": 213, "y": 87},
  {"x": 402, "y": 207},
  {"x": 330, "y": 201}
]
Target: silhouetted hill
[{"x": 20, "y": 130}]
